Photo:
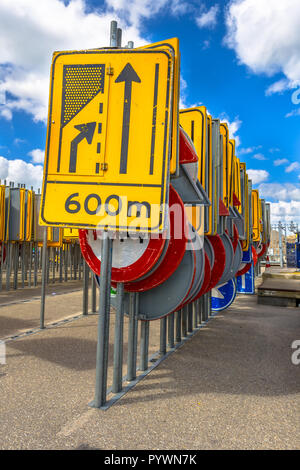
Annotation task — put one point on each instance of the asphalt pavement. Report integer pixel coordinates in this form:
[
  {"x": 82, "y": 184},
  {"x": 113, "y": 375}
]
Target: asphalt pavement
[{"x": 231, "y": 386}]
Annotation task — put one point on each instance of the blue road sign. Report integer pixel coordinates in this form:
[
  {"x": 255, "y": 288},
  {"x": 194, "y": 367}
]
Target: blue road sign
[
  {"x": 291, "y": 255},
  {"x": 298, "y": 254},
  {"x": 245, "y": 283},
  {"x": 247, "y": 255},
  {"x": 223, "y": 296}
]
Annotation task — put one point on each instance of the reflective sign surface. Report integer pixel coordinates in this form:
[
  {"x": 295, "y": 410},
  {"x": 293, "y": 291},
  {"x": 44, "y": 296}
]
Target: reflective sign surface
[{"x": 108, "y": 143}]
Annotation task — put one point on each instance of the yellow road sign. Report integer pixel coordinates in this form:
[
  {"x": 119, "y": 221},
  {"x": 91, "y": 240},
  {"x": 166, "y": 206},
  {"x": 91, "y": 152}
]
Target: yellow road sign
[
  {"x": 255, "y": 215},
  {"x": 211, "y": 187},
  {"x": 2, "y": 213},
  {"x": 194, "y": 122},
  {"x": 230, "y": 170},
  {"x": 245, "y": 205},
  {"x": 195, "y": 215},
  {"x": 198, "y": 125},
  {"x": 29, "y": 216},
  {"x": 172, "y": 45},
  {"x": 70, "y": 233},
  {"x": 225, "y": 140},
  {"x": 108, "y": 142}
]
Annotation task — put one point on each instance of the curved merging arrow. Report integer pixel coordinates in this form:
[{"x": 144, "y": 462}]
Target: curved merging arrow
[
  {"x": 217, "y": 293},
  {"x": 128, "y": 75},
  {"x": 86, "y": 132}
]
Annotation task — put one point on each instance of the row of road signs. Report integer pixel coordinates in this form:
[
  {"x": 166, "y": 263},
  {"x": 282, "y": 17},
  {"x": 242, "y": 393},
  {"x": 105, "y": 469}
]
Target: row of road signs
[
  {"x": 19, "y": 218},
  {"x": 164, "y": 207},
  {"x": 121, "y": 158}
]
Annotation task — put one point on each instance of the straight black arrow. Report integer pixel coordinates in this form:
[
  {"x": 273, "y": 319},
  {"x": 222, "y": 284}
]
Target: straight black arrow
[
  {"x": 128, "y": 75},
  {"x": 86, "y": 132}
]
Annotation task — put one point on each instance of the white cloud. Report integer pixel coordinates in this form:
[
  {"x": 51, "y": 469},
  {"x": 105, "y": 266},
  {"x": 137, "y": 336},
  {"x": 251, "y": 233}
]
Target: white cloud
[
  {"x": 258, "y": 176},
  {"x": 265, "y": 37},
  {"x": 179, "y": 8},
  {"x": 135, "y": 10},
  {"x": 31, "y": 30},
  {"x": 206, "y": 44},
  {"x": 29, "y": 33},
  {"x": 280, "y": 161},
  {"x": 295, "y": 112},
  {"x": 280, "y": 86},
  {"x": 292, "y": 167},
  {"x": 282, "y": 192},
  {"x": 21, "y": 172},
  {"x": 274, "y": 150},
  {"x": 209, "y": 18},
  {"x": 37, "y": 155},
  {"x": 246, "y": 151},
  {"x": 259, "y": 156},
  {"x": 285, "y": 211},
  {"x": 233, "y": 127}
]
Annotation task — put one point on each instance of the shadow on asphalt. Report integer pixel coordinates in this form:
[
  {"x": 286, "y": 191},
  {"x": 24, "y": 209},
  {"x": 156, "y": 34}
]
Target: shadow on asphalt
[
  {"x": 239, "y": 352},
  {"x": 11, "y": 325}
]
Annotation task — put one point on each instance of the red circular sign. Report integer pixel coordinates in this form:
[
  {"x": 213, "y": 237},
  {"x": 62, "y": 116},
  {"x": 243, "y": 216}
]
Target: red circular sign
[
  {"x": 207, "y": 278},
  {"x": 247, "y": 266},
  {"x": 235, "y": 238},
  {"x": 220, "y": 260},
  {"x": 262, "y": 251},
  {"x": 132, "y": 270},
  {"x": 175, "y": 251},
  {"x": 184, "y": 301}
]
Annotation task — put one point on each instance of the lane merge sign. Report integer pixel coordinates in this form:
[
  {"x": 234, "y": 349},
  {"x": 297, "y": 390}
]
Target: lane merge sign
[{"x": 109, "y": 140}]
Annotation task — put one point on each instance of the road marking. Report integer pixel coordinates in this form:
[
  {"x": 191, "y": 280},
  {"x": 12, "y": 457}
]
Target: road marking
[{"x": 74, "y": 425}]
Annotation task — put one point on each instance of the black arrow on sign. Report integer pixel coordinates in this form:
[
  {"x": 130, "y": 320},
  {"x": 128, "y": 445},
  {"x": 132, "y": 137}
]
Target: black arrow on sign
[
  {"x": 86, "y": 132},
  {"x": 128, "y": 75}
]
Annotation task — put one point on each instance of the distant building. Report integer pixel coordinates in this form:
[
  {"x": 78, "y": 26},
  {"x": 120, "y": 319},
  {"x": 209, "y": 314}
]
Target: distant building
[{"x": 274, "y": 251}]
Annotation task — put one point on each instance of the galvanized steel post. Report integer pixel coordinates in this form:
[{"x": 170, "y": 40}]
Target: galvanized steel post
[
  {"x": 178, "y": 326},
  {"x": 85, "y": 300},
  {"x": 44, "y": 276},
  {"x": 103, "y": 323},
  {"x": 171, "y": 319},
  {"x": 132, "y": 336},
  {"x": 118, "y": 340},
  {"x": 163, "y": 336},
  {"x": 145, "y": 328}
]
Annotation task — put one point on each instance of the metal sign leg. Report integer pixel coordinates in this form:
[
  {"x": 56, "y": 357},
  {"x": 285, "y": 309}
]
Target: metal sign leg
[
  {"x": 194, "y": 314},
  {"x": 132, "y": 336},
  {"x": 184, "y": 321},
  {"x": 145, "y": 328},
  {"x": 190, "y": 318},
  {"x": 178, "y": 326},
  {"x": 94, "y": 298},
  {"x": 171, "y": 319},
  {"x": 163, "y": 336},
  {"x": 86, "y": 272},
  {"x": 44, "y": 280},
  {"x": 103, "y": 323},
  {"x": 118, "y": 341},
  {"x": 15, "y": 257}
]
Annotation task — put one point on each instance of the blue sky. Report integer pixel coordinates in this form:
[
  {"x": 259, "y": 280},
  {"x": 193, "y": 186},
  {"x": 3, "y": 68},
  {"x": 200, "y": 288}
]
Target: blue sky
[{"x": 239, "y": 58}]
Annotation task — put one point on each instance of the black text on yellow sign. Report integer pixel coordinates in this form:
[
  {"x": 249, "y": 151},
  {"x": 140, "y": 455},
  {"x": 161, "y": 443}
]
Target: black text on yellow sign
[{"x": 108, "y": 142}]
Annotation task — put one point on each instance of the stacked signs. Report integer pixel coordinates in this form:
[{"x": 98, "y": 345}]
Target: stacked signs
[{"x": 167, "y": 187}]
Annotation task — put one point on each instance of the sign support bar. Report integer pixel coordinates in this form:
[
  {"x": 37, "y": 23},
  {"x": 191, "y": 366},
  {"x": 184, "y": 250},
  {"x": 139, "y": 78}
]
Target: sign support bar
[{"x": 103, "y": 323}]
